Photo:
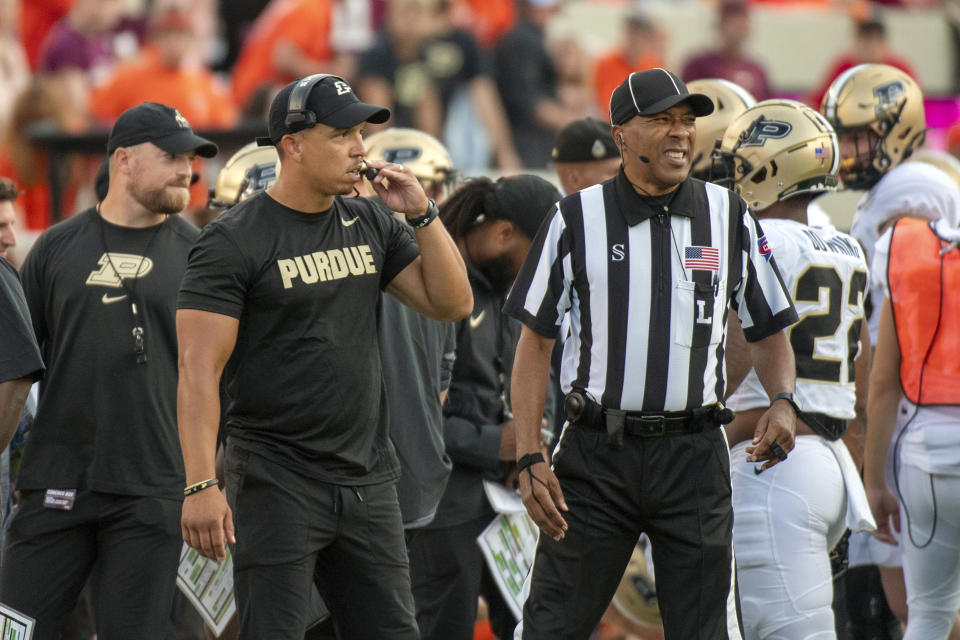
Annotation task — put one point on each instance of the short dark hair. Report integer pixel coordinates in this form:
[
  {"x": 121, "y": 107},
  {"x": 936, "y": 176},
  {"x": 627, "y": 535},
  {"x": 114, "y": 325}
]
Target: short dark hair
[{"x": 8, "y": 190}]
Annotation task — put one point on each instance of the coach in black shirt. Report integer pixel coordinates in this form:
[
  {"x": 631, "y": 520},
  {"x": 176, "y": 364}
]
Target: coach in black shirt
[
  {"x": 649, "y": 266},
  {"x": 102, "y": 474},
  {"x": 288, "y": 283}
]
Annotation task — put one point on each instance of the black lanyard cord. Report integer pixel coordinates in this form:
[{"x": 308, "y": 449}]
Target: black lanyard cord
[{"x": 139, "y": 335}]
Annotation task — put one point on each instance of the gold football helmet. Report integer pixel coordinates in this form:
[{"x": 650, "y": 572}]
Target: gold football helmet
[
  {"x": 778, "y": 149},
  {"x": 884, "y": 103},
  {"x": 425, "y": 155},
  {"x": 248, "y": 172},
  {"x": 729, "y": 101}
]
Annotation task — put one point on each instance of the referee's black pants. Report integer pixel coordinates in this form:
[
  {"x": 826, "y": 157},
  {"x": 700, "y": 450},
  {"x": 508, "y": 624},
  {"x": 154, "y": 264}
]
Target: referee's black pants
[
  {"x": 128, "y": 546},
  {"x": 676, "y": 489}
]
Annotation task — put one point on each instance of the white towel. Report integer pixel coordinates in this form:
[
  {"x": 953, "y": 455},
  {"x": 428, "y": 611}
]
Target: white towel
[{"x": 858, "y": 517}]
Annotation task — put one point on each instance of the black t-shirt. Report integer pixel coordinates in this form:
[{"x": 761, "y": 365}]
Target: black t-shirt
[
  {"x": 104, "y": 421},
  {"x": 446, "y": 62},
  {"x": 526, "y": 76},
  {"x": 19, "y": 353},
  {"x": 452, "y": 60},
  {"x": 304, "y": 381},
  {"x": 409, "y": 79}
]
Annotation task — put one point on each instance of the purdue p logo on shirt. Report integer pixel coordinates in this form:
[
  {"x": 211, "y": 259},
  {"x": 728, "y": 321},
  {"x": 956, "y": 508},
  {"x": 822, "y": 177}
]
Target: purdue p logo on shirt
[{"x": 114, "y": 267}]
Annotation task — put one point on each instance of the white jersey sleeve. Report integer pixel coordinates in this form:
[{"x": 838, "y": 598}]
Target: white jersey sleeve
[{"x": 826, "y": 273}]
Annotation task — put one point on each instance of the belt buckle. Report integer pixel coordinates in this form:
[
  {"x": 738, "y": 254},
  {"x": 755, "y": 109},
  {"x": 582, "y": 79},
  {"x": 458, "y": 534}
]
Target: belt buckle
[{"x": 653, "y": 425}]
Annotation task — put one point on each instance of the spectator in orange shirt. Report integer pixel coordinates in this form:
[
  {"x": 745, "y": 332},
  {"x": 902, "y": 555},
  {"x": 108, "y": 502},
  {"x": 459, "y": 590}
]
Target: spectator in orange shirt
[
  {"x": 643, "y": 48},
  {"x": 170, "y": 70},
  {"x": 291, "y": 39},
  {"x": 869, "y": 45}
]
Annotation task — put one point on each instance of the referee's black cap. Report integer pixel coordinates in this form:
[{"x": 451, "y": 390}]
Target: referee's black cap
[
  {"x": 645, "y": 93},
  {"x": 586, "y": 140},
  {"x": 525, "y": 200}
]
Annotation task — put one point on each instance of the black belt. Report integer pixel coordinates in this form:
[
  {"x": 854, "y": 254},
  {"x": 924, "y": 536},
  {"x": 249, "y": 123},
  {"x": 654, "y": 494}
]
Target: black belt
[
  {"x": 581, "y": 410},
  {"x": 824, "y": 425}
]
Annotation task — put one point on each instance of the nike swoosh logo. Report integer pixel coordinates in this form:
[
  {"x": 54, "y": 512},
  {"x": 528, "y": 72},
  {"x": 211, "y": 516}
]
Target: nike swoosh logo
[
  {"x": 475, "y": 322},
  {"x": 758, "y": 469},
  {"x": 347, "y": 223},
  {"x": 107, "y": 299}
]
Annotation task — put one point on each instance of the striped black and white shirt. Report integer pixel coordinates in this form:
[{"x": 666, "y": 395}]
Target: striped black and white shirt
[{"x": 647, "y": 288}]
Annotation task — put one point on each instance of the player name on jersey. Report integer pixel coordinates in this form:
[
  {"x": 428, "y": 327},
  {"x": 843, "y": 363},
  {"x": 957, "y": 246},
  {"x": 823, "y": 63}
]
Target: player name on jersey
[
  {"x": 837, "y": 244},
  {"x": 321, "y": 266}
]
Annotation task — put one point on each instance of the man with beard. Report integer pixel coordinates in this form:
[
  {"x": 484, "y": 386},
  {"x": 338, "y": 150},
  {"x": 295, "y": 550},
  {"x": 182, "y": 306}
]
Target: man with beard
[
  {"x": 102, "y": 475},
  {"x": 493, "y": 224}
]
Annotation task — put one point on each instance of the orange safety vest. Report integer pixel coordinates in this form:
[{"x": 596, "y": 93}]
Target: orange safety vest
[{"x": 925, "y": 298}]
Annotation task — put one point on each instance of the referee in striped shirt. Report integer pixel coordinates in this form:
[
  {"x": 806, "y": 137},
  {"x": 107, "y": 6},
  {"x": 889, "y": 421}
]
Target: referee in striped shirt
[{"x": 649, "y": 265}]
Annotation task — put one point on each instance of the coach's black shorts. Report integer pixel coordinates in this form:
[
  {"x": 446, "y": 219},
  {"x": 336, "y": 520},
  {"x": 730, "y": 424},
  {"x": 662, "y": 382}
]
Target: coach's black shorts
[{"x": 675, "y": 489}]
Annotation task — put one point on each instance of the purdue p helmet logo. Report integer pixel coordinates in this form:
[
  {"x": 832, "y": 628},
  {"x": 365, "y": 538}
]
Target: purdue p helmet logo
[
  {"x": 888, "y": 96},
  {"x": 762, "y": 130}
]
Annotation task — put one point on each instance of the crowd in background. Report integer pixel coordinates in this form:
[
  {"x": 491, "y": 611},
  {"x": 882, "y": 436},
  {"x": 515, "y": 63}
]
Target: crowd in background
[
  {"x": 492, "y": 79},
  {"x": 489, "y": 78}
]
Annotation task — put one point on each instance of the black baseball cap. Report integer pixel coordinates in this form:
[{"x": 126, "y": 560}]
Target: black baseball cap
[
  {"x": 160, "y": 124},
  {"x": 645, "y": 93},
  {"x": 586, "y": 140},
  {"x": 525, "y": 200},
  {"x": 333, "y": 103}
]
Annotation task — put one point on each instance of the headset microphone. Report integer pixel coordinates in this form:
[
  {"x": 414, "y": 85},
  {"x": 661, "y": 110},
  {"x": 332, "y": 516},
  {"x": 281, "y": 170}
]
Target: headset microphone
[{"x": 643, "y": 159}]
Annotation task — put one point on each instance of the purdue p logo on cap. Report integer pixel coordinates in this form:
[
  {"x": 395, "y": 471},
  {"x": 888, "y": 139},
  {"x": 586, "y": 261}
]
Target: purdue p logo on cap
[{"x": 180, "y": 119}]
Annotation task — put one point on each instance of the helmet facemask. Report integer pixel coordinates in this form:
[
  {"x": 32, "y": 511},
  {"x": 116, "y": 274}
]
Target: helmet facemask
[{"x": 884, "y": 101}]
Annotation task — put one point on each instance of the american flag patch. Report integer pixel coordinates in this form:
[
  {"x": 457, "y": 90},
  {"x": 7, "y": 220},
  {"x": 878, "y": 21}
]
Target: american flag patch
[
  {"x": 707, "y": 258},
  {"x": 764, "y": 247}
]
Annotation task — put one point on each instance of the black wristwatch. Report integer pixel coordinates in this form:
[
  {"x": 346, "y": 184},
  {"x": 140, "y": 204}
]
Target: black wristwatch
[
  {"x": 432, "y": 212},
  {"x": 789, "y": 397}
]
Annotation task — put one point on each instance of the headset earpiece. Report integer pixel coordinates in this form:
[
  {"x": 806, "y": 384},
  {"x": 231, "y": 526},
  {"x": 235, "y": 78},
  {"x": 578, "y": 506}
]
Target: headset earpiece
[{"x": 298, "y": 116}]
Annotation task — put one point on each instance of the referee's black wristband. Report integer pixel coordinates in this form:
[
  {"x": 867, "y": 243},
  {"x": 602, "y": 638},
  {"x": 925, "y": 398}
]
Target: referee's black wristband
[
  {"x": 529, "y": 460},
  {"x": 200, "y": 486}
]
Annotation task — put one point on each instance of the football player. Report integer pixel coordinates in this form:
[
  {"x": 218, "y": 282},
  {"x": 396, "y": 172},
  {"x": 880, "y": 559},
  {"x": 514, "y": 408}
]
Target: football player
[
  {"x": 878, "y": 114},
  {"x": 781, "y": 155},
  {"x": 730, "y": 100}
]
